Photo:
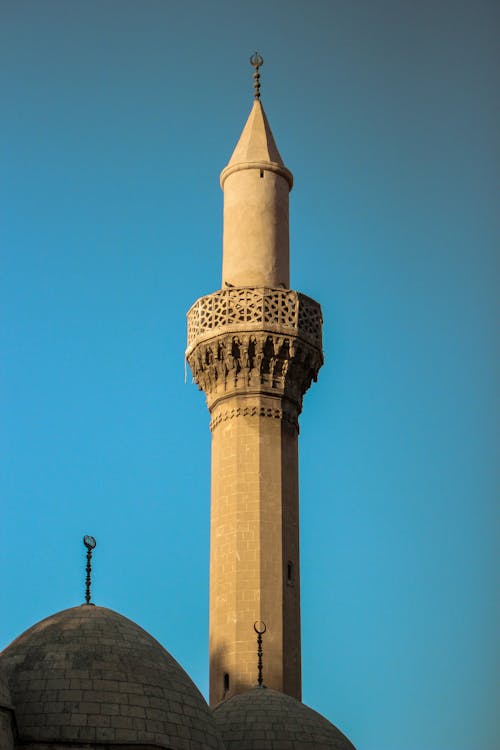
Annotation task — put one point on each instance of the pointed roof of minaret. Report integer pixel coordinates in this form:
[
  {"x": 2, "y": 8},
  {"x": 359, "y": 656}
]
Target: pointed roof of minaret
[
  {"x": 256, "y": 148},
  {"x": 256, "y": 140}
]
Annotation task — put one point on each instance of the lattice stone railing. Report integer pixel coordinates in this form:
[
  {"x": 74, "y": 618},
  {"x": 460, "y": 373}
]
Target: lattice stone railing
[{"x": 248, "y": 309}]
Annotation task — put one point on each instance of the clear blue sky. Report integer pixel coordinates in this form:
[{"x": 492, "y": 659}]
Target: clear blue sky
[{"x": 117, "y": 117}]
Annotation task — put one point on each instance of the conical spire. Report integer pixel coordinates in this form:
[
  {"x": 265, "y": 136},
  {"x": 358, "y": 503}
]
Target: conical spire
[
  {"x": 256, "y": 148},
  {"x": 256, "y": 140}
]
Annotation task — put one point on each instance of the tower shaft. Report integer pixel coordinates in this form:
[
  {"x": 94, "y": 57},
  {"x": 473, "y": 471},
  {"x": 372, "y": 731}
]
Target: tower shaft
[
  {"x": 254, "y": 352},
  {"x": 254, "y": 347},
  {"x": 254, "y": 546}
]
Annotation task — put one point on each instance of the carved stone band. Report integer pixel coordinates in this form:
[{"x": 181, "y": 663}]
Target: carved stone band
[
  {"x": 255, "y": 411},
  {"x": 254, "y": 309}
]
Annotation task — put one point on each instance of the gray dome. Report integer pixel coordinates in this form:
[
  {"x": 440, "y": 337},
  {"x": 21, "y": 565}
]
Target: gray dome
[
  {"x": 88, "y": 674},
  {"x": 267, "y": 719}
]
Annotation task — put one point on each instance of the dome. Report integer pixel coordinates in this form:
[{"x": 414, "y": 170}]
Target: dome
[
  {"x": 270, "y": 720},
  {"x": 90, "y": 675}
]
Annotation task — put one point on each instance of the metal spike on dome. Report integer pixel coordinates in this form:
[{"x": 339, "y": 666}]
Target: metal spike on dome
[
  {"x": 90, "y": 544},
  {"x": 260, "y": 628},
  {"x": 256, "y": 61}
]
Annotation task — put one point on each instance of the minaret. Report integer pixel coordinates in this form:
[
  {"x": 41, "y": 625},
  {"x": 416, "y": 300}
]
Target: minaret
[{"x": 254, "y": 347}]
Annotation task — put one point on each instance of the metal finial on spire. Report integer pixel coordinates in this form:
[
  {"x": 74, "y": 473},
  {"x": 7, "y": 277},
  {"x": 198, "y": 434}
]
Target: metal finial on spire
[
  {"x": 256, "y": 61},
  {"x": 90, "y": 543},
  {"x": 260, "y": 628}
]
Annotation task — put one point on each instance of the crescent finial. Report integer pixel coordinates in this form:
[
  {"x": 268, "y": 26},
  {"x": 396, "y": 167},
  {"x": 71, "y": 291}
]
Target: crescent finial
[{"x": 256, "y": 61}]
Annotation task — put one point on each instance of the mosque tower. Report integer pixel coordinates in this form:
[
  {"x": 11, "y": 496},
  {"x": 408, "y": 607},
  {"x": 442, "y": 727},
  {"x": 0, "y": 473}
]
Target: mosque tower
[{"x": 254, "y": 346}]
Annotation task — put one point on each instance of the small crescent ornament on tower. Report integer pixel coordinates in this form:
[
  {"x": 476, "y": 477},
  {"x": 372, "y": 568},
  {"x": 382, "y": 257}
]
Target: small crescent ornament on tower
[
  {"x": 256, "y": 61},
  {"x": 90, "y": 544},
  {"x": 260, "y": 628}
]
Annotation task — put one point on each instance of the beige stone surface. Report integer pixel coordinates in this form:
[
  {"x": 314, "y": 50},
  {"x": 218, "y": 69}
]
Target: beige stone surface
[
  {"x": 256, "y": 229},
  {"x": 256, "y": 185},
  {"x": 254, "y": 536},
  {"x": 256, "y": 142}
]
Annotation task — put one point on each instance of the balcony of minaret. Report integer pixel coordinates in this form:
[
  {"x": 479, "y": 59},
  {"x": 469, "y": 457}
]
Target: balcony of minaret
[{"x": 254, "y": 340}]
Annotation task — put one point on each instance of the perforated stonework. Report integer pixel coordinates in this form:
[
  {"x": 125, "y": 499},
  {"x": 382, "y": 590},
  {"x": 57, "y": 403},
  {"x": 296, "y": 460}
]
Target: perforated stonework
[{"x": 255, "y": 309}]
